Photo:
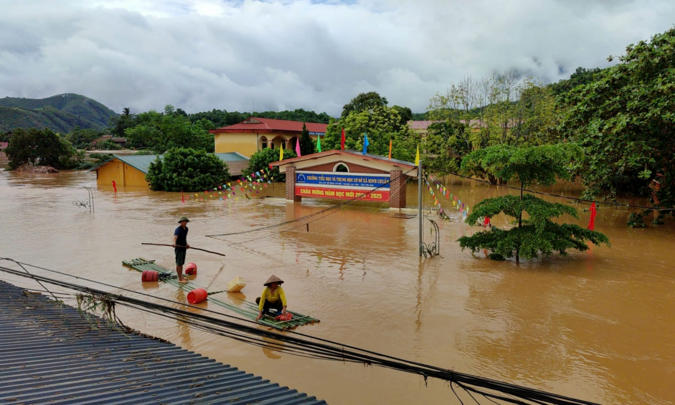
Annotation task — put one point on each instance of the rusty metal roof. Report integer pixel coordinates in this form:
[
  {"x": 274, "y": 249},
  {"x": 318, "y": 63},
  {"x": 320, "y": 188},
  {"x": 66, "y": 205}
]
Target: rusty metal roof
[{"x": 49, "y": 354}]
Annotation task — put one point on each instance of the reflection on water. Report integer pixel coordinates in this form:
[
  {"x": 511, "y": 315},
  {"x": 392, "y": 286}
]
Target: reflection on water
[{"x": 597, "y": 326}]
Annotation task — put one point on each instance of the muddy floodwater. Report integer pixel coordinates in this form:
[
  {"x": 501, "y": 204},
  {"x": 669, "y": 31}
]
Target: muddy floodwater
[{"x": 598, "y": 325}]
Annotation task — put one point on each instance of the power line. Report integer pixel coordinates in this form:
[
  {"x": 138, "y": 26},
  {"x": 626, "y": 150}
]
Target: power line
[{"x": 311, "y": 347}]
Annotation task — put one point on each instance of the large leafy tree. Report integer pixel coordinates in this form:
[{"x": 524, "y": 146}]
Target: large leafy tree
[
  {"x": 185, "y": 169},
  {"x": 40, "y": 147},
  {"x": 625, "y": 121},
  {"x": 262, "y": 159},
  {"x": 382, "y": 124},
  {"x": 364, "y": 102},
  {"x": 534, "y": 233}
]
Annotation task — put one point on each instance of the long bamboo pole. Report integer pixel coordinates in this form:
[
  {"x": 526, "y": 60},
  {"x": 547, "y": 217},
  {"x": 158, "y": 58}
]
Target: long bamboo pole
[{"x": 194, "y": 248}]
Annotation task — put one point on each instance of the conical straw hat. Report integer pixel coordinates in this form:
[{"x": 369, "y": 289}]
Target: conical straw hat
[{"x": 273, "y": 279}]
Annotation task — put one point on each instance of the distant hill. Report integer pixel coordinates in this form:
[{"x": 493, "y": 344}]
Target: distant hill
[{"x": 60, "y": 113}]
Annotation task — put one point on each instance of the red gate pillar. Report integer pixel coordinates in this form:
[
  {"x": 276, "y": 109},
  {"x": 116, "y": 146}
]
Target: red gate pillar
[
  {"x": 290, "y": 185},
  {"x": 397, "y": 187}
]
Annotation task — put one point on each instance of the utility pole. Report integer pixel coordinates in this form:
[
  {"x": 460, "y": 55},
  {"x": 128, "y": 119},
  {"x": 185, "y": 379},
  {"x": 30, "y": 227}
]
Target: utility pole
[{"x": 419, "y": 202}]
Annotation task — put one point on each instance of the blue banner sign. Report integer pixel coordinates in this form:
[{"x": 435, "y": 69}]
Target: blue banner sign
[{"x": 343, "y": 179}]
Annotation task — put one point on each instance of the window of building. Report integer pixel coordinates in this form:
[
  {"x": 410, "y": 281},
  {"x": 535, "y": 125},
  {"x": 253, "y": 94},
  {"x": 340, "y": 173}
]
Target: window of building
[
  {"x": 282, "y": 145},
  {"x": 263, "y": 142},
  {"x": 341, "y": 168}
]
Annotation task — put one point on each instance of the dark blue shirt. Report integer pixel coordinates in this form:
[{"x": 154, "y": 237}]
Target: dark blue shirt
[{"x": 182, "y": 236}]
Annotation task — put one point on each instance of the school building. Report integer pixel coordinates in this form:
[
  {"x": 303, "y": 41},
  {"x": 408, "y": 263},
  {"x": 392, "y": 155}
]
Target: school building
[{"x": 255, "y": 134}]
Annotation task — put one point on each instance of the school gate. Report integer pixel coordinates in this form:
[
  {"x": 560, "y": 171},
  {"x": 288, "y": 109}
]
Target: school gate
[{"x": 347, "y": 174}]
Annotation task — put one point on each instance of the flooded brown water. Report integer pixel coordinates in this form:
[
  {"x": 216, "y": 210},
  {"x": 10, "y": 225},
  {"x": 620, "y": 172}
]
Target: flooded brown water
[{"x": 597, "y": 326}]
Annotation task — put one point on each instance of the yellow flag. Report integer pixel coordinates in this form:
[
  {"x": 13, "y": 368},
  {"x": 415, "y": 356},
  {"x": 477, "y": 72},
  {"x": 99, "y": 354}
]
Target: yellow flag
[
  {"x": 417, "y": 156},
  {"x": 281, "y": 154}
]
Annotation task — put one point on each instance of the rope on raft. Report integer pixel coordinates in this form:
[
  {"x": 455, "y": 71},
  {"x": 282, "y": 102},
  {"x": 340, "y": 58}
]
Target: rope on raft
[{"x": 311, "y": 347}]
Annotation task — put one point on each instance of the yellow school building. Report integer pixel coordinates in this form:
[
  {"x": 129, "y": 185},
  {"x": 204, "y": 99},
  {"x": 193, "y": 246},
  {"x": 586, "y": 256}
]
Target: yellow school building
[
  {"x": 255, "y": 134},
  {"x": 130, "y": 170}
]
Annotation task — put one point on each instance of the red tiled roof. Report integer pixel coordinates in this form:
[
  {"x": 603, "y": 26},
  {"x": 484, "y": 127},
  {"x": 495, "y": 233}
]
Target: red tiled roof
[
  {"x": 4, "y": 145},
  {"x": 268, "y": 125}
]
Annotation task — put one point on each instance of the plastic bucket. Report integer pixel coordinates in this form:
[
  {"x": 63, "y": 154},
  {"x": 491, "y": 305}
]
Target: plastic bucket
[
  {"x": 149, "y": 275},
  {"x": 197, "y": 295},
  {"x": 190, "y": 269}
]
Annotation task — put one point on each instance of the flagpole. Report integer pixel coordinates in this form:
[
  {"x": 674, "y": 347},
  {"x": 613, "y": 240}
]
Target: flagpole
[{"x": 419, "y": 202}]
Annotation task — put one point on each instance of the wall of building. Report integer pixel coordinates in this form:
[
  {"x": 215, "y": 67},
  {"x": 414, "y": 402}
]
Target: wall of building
[
  {"x": 122, "y": 173},
  {"x": 246, "y": 144},
  {"x": 249, "y": 143},
  {"x": 134, "y": 177},
  {"x": 113, "y": 170}
]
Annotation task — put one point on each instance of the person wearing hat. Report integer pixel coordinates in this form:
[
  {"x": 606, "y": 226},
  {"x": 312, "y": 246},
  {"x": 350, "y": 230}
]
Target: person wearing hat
[
  {"x": 181, "y": 246},
  {"x": 272, "y": 297}
]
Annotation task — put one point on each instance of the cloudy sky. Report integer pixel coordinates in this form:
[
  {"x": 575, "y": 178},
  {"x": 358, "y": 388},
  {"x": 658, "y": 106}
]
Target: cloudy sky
[{"x": 317, "y": 55}]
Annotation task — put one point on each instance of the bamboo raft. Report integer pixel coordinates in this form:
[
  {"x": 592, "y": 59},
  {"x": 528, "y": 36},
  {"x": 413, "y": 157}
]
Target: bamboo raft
[{"x": 248, "y": 310}]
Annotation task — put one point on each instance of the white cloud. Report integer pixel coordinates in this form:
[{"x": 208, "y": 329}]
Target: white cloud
[{"x": 204, "y": 54}]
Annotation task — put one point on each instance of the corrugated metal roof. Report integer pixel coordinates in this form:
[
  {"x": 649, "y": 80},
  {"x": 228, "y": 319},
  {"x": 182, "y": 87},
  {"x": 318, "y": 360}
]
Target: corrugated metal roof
[
  {"x": 267, "y": 125},
  {"x": 49, "y": 354}
]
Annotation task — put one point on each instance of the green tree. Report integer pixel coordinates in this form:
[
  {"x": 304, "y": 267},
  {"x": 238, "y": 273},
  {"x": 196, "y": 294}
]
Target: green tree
[
  {"x": 120, "y": 123},
  {"x": 307, "y": 146},
  {"x": 40, "y": 148},
  {"x": 185, "y": 169},
  {"x": 363, "y": 102},
  {"x": 404, "y": 112},
  {"x": 82, "y": 138},
  {"x": 535, "y": 234},
  {"x": 262, "y": 159},
  {"x": 445, "y": 146},
  {"x": 580, "y": 77},
  {"x": 161, "y": 132},
  {"x": 382, "y": 124},
  {"x": 625, "y": 120}
]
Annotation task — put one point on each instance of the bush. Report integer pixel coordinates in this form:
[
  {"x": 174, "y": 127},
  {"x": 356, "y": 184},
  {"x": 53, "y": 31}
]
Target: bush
[
  {"x": 262, "y": 159},
  {"x": 184, "y": 169}
]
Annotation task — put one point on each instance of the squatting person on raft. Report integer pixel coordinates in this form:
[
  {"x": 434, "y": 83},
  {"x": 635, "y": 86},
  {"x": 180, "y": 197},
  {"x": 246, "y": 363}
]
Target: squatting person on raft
[{"x": 272, "y": 297}]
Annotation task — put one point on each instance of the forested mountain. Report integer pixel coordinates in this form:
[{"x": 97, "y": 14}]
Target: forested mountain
[{"x": 60, "y": 113}]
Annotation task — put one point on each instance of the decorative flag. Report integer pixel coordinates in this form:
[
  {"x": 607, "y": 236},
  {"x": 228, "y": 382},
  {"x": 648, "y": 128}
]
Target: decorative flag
[
  {"x": 182, "y": 197},
  {"x": 318, "y": 142},
  {"x": 591, "y": 223},
  {"x": 390, "y": 142},
  {"x": 258, "y": 173},
  {"x": 365, "y": 144},
  {"x": 281, "y": 154},
  {"x": 297, "y": 148},
  {"x": 417, "y": 156},
  {"x": 114, "y": 186},
  {"x": 342, "y": 142}
]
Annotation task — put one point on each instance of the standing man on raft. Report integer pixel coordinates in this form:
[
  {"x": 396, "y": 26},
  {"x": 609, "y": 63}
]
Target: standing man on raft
[
  {"x": 181, "y": 246},
  {"x": 272, "y": 297}
]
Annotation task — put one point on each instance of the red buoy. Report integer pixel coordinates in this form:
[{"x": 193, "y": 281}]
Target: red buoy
[
  {"x": 190, "y": 269},
  {"x": 197, "y": 295},
  {"x": 149, "y": 275}
]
